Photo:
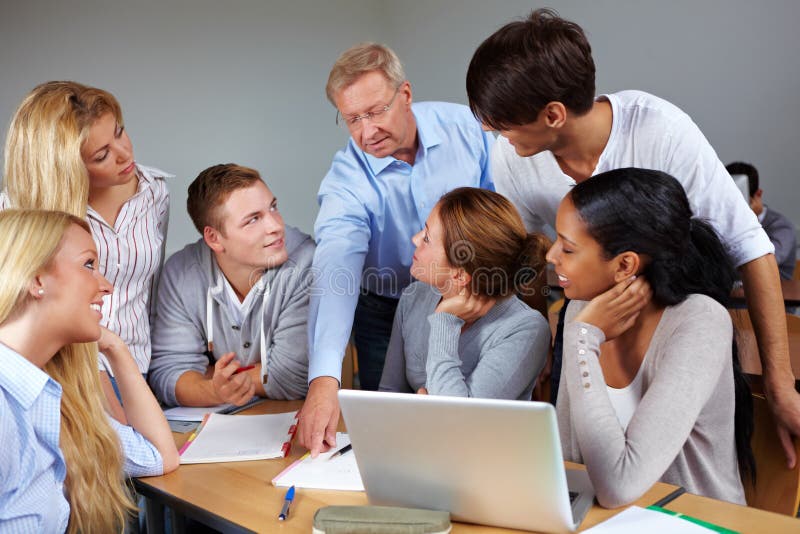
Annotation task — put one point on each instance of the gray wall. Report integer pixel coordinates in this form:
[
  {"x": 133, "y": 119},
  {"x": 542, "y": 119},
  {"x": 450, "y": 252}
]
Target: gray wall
[{"x": 203, "y": 82}]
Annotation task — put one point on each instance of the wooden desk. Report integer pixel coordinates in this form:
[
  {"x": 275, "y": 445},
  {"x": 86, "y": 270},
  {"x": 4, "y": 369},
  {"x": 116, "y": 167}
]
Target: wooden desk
[
  {"x": 732, "y": 516},
  {"x": 748, "y": 349},
  {"x": 790, "y": 289},
  {"x": 238, "y": 496}
]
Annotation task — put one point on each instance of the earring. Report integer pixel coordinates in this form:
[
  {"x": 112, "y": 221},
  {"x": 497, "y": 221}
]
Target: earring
[{"x": 41, "y": 291}]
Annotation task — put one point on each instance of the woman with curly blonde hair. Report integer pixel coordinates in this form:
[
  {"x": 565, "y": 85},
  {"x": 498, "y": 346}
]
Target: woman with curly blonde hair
[{"x": 63, "y": 459}]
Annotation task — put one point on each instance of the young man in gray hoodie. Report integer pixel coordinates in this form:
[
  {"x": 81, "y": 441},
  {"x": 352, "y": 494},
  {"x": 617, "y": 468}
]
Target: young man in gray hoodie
[{"x": 232, "y": 307}]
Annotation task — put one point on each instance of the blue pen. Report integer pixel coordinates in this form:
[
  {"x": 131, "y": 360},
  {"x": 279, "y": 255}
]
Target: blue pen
[{"x": 287, "y": 501}]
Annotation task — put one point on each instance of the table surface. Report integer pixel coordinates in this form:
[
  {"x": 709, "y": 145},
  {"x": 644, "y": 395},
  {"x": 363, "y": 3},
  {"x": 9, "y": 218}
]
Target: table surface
[
  {"x": 748, "y": 350},
  {"x": 733, "y": 516},
  {"x": 238, "y": 496}
]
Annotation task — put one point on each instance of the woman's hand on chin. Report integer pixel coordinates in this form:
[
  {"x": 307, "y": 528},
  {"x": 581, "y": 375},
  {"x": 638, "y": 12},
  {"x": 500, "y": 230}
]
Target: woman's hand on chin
[
  {"x": 466, "y": 306},
  {"x": 110, "y": 343},
  {"x": 616, "y": 310}
]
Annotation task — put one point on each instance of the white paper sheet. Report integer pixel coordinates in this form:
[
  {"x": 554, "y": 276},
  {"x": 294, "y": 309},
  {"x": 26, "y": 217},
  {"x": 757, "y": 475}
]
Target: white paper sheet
[
  {"x": 340, "y": 473},
  {"x": 636, "y": 520}
]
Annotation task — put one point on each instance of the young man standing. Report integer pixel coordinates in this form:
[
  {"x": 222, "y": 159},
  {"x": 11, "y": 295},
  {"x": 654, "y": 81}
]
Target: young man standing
[
  {"x": 534, "y": 82},
  {"x": 232, "y": 307}
]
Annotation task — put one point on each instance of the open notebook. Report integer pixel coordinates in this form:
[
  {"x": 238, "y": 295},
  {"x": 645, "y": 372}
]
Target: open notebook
[
  {"x": 238, "y": 438},
  {"x": 322, "y": 472}
]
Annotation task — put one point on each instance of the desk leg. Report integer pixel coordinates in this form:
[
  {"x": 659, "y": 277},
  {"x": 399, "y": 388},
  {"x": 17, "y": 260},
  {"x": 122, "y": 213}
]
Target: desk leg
[
  {"x": 178, "y": 521},
  {"x": 154, "y": 511}
]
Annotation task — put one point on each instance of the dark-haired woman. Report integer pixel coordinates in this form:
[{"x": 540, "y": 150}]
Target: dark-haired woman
[
  {"x": 460, "y": 330},
  {"x": 650, "y": 389}
]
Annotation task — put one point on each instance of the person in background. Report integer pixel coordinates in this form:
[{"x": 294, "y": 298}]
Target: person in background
[
  {"x": 778, "y": 227},
  {"x": 651, "y": 388},
  {"x": 235, "y": 300},
  {"x": 534, "y": 81},
  {"x": 461, "y": 330},
  {"x": 380, "y": 189},
  {"x": 64, "y": 460},
  {"x": 67, "y": 149}
]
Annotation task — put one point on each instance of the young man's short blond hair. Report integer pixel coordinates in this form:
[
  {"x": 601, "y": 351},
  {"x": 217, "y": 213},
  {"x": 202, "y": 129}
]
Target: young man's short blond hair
[{"x": 360, "y": 59}]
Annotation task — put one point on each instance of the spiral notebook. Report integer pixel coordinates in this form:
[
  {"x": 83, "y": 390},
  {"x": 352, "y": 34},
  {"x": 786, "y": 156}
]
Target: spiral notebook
[{"x": 239, "y": 438}]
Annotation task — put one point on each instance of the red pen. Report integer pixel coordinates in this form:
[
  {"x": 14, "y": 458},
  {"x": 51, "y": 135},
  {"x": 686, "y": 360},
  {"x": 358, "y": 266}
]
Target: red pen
[{"x": 243, "y": 369}]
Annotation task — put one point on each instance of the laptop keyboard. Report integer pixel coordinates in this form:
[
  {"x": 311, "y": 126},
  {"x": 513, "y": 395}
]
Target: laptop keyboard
[{"x": 572, "y": 496}]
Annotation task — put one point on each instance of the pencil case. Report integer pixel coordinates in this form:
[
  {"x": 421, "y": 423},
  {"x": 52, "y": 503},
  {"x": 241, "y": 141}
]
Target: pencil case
[{"x": 379, "y": 520}]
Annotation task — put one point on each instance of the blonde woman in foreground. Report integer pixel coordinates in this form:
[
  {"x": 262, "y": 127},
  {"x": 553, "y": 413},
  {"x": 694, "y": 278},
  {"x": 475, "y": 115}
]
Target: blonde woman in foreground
[{"x": 64, "y": 460}]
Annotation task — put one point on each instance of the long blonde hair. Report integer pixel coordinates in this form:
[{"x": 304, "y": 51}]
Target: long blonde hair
[
  {"x": 43, "y": 164},
  {"x": 99, "y": 502}
]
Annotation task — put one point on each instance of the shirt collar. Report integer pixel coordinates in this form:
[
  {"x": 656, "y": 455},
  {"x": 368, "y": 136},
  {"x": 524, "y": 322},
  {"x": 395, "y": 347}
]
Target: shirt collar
[
  {"x": 147, "y": 175},
  {"x": 762, "y": 214},
  {"x": 428, "y": 138},
  {"x": 22, "y": 379}
]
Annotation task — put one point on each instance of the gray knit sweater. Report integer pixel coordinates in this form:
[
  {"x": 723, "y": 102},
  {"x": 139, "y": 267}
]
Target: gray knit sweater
[
  {"x": 180, "y": 331},
  {"x": 498, "y": 356},
  {"x": 682, "y": 432}
]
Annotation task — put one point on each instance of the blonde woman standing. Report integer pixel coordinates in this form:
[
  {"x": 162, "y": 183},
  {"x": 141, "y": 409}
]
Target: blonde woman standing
[
  {"x": 63, "y": 459},
  {"x": 67, "y": 149}
]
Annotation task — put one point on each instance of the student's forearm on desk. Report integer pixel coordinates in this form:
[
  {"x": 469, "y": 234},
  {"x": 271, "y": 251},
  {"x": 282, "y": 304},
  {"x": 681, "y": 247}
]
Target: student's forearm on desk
[{"x": 141, "y": 408}]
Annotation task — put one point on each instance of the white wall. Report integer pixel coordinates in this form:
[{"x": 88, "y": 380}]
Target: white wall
[
  {"x": 204, "y": 81},
  {"x": 200, "y": 82}
]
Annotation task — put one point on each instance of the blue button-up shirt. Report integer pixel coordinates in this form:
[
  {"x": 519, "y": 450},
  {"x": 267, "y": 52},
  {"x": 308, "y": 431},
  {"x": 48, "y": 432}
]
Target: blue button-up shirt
[
  {"x": 370, "y": 208},
  {"x": 32, "y": 468}
]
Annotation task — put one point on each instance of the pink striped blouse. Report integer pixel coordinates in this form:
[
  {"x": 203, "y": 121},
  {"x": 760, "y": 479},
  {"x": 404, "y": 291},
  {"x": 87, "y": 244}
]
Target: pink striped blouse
[{"x": 130, "y": 256}]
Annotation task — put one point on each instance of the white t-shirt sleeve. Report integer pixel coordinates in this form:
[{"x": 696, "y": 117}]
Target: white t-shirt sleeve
[
  {"x": 712, "y": 193},
  {"x": 516, "y": 178}
]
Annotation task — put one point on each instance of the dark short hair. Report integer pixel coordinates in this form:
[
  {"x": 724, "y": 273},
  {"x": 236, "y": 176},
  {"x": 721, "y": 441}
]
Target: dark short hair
[
  {"x": 525, "y": 65},
  {"x": 740, "y": 167},
  {"x": 212, "y": 187}
]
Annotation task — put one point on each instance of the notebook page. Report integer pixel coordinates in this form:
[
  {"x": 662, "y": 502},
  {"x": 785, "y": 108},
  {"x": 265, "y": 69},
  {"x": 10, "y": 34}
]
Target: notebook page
[
  {"x": 340, "y": 473},
  {"x": 238, "y": 438},
  {"x": 637, "y": 520}
]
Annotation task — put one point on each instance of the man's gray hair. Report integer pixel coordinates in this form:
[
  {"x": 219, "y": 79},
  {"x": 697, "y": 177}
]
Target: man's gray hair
[{"x": 360, "y": 59}]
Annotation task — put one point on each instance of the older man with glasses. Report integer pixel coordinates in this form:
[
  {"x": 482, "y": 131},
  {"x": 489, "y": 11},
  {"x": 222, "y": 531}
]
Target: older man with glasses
[{"x": 401, "y": 157}]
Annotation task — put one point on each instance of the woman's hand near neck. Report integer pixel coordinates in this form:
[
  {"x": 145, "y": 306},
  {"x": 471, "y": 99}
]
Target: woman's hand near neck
[
  {"x": 465, "y": 305},
  {"x": 616, "y": 310}
]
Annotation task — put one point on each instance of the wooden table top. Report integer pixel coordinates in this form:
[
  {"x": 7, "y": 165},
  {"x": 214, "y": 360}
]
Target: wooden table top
[
  {"x": 241, "y": 494},
  {"x": 748, "y": 349},
  {"x": 733, "y": 516}
]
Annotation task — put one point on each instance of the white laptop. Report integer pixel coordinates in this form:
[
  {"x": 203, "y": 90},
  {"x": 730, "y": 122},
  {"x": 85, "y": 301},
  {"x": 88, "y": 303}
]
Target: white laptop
[{"x": 492, "y": 462}]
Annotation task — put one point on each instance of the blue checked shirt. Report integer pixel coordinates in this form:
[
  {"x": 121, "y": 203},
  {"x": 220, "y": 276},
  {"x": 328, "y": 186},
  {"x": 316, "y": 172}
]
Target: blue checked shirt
[
  {"x": 142, "y": 459},
  {"x": 32, "y": 468},
  {"x": 370, "y": 209}
]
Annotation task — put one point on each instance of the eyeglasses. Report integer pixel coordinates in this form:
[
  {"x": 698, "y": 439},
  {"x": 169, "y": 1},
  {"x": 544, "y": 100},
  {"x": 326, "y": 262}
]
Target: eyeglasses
[{"x": 355, "y": 121}]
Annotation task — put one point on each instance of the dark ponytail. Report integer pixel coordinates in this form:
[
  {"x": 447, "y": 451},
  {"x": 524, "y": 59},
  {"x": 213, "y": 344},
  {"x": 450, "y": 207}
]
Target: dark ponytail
[{"x": 647, "y": 212}]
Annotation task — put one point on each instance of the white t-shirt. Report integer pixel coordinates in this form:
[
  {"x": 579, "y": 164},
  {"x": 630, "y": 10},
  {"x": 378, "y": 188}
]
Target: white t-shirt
[
  {"x": 626, "y": 400},
  {"x": 649, "y": 133}
]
